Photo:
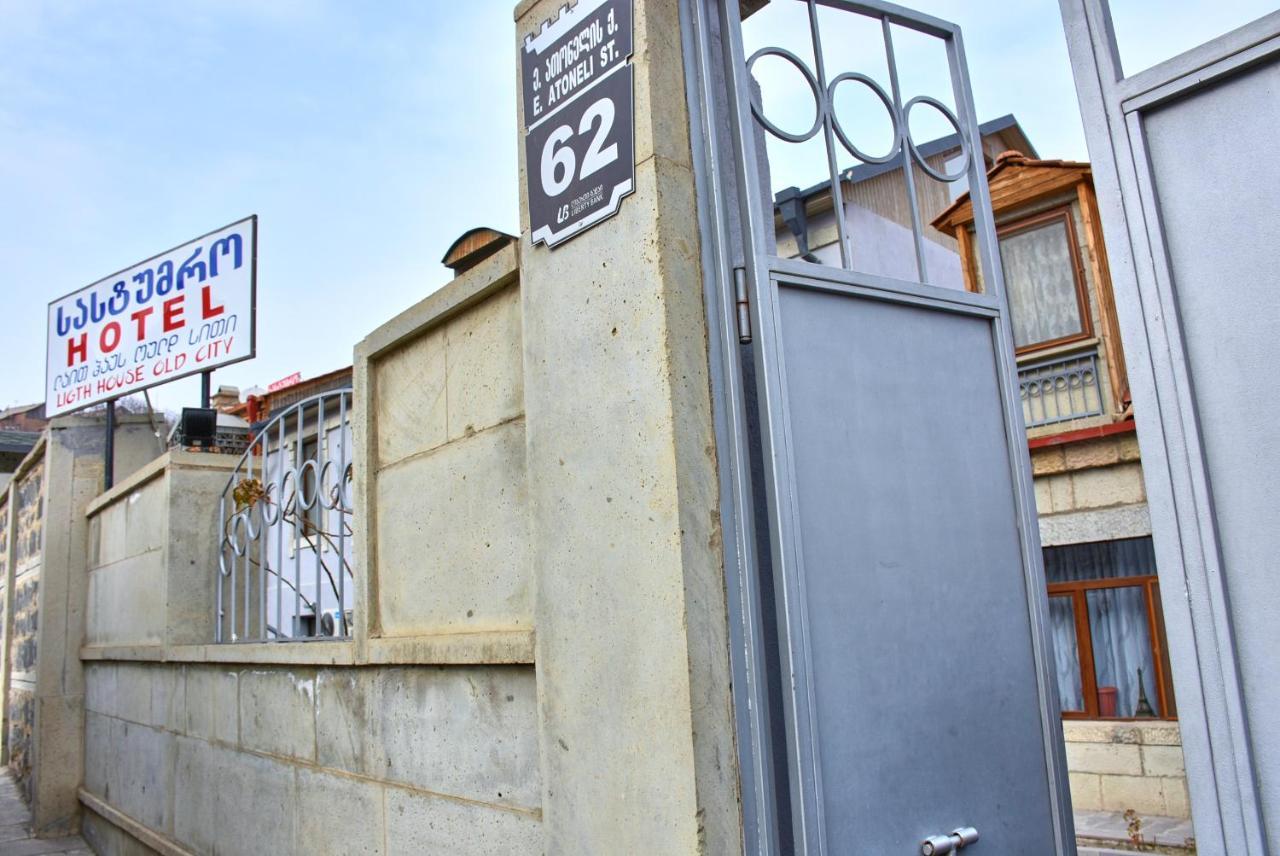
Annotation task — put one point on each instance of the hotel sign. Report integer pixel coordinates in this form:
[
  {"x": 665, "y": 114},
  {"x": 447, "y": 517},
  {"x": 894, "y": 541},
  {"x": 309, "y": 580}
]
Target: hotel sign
[
  {"x": 185, "y": 311},
  {"x": 579, "y": 115}
]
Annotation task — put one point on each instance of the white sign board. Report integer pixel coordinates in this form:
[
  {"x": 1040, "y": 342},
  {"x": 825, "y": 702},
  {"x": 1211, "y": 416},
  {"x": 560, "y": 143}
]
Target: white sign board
[{"x": 185, "y": 311}]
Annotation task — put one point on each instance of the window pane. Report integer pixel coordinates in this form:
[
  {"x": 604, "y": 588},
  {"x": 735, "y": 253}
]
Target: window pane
[
  {"x": 1040, "y": 278},
  {"x": 1122, "y": 658},
  {"x": 1100, "y": 560},
  {"x": 1066, "y": 653}
]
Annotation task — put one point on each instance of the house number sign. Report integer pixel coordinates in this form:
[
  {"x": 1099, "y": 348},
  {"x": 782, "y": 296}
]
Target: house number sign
[{"x": 579, "y": 119}]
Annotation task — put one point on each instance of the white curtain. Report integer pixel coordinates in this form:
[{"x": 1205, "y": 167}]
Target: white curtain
[
  {"x": 1066, "y": 652},
  {"x": 1118, "y": 622}
]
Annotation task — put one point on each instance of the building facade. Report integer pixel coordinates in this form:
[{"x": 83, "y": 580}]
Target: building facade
[{"x": 1114, "y": 675}]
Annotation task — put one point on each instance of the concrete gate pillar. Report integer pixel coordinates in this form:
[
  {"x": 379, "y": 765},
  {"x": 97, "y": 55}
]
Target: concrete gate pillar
[
  {"x": 45, "y": 601},
  {"x": 632, "y": 652}
]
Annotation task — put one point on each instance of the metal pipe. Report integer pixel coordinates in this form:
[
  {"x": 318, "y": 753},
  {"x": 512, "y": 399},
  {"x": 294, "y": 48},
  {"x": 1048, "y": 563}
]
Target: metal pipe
[{"x": 109, "y": 448}]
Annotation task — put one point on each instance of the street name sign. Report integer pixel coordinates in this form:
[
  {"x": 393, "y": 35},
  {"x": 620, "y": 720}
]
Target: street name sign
[
  {"x": 187, "y": 310},
  {"x": 579, "y": 113}
]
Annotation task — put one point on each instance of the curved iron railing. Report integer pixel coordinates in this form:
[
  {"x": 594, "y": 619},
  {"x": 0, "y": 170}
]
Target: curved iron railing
[{"x": 284, "y": 548}]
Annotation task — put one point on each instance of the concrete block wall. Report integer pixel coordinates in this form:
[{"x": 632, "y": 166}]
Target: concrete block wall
[
  {"x": 446, "y": 507},
  {"x": 339, "y": 746},
  {"x": 1117, "y": 766},
  {"x": 152, "y": 553},
  {"x": 208, "y": 758}
]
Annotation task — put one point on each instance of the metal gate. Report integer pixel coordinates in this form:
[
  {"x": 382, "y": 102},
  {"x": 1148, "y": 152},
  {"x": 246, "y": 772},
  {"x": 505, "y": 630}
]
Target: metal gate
[{"x": 893, "y": 678}]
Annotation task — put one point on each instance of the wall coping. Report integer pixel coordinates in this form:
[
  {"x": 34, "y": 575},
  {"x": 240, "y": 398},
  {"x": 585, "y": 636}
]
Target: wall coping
[
  {"x": 491, "y": 275},
  {"x": 1148, "y": 732},
  {"x": 491, "y": 647},
  {"x": 174, "y": 458}
]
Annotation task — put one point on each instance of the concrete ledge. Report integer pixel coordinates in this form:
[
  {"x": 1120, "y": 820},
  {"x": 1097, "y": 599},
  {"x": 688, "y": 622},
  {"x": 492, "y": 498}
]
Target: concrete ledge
[
  {"x": 512, "y": 647},
  {"x": 157, "y": 467},
  {"x": 148, "y": 836},
  {"x": 494, "y": 647}
]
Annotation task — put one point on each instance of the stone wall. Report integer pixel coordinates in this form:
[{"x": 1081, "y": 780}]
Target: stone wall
[
  {"x": 1090, "y": 490},
  {"x": 1117, "y": 766},
  {"x": 27, "y": 494}
]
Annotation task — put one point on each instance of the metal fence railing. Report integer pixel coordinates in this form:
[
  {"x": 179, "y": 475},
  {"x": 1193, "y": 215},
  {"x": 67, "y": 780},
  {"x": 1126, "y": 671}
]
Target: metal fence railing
[
  {"x": 284, "y": 549},
  {"x": 1060, "y": 390}
]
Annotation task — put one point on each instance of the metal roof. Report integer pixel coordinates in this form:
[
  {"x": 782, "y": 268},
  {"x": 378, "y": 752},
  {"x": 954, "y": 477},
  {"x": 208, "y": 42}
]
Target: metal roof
[{"x": 18, "y": 441}]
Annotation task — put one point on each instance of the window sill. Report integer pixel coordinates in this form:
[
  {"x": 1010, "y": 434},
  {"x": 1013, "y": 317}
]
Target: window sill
[{"x": 1063, "y": 349}]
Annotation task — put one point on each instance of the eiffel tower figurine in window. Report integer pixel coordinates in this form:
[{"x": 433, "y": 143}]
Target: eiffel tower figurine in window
[{"x": 1144, "y": 706}]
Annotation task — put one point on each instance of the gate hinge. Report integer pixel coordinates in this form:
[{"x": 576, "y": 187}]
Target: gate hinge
[{"x": 743, "y": 305}]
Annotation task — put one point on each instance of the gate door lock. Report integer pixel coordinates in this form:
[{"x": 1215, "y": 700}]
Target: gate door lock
[{"x": 957, "y": 840}]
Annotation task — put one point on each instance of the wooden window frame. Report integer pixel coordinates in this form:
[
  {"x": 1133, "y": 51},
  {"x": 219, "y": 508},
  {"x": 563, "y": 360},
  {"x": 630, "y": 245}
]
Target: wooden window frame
[
  {"x": 1035, "y": 221},
  {"x": 1078, "y": 592}
]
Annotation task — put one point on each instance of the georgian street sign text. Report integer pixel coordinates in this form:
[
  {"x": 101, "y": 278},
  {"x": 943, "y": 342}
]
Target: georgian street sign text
[{"x": 579, "y": 119}]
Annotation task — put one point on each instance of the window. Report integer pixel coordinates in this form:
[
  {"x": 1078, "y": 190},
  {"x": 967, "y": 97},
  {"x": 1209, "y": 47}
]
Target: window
[
  {"x": 1042, "y": 275},
  {"x": 1108, "y": 635}
]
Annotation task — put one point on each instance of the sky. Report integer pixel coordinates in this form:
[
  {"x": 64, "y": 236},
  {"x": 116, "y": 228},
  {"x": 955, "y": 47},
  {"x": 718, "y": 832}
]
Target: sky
[{"x": 365, "y": 136}]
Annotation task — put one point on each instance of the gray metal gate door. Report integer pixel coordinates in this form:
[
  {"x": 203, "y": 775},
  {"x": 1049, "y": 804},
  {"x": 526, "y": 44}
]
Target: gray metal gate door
[
  {"x": 894, "y": 675},
  {"x": 1187, "y": 185}
]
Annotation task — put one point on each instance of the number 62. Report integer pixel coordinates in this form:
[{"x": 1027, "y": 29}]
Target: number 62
[{"x": 558, "y": 160}]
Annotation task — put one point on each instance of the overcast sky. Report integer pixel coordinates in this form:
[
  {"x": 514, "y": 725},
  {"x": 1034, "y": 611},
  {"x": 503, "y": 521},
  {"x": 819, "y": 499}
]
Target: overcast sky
[{"x": 366, "y": 136}]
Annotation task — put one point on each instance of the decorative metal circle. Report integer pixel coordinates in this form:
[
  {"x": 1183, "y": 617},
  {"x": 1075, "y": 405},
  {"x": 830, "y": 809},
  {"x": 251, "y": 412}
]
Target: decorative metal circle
[
  {"x": 955, "y": 123},
  {"x": 238, "y": 537},
  {"x": 309, "y": 488},
  {"x": 757, "y": 108},
  {"x": 327, "y": 488},
  {"x": 888, "y": 105},
  {"x": 272, "y": 505},
  {"x": 250, "y": 530},
  {"x": 289, "y": 491}
]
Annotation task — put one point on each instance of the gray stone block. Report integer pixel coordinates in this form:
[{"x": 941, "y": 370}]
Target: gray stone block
[
  {"x": 196, "y": 783},
  {"x": 454, "y": 556},
  {"x": 338, "y": 816},
  {"x": 99, "y": 749},
  {"x": 465, "y": 731},
  {"x": 342, "y": 718},
  {"x": 211, "y": 704},
  {"x": 277, "y": 711},
  {"x": 133, "y": 692},
  {"x": 143, "y": 760},
  {"x": 418, "y": 825},
  {"x": 485, "y": 369},
  {"x": 257, "y": 805}
]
